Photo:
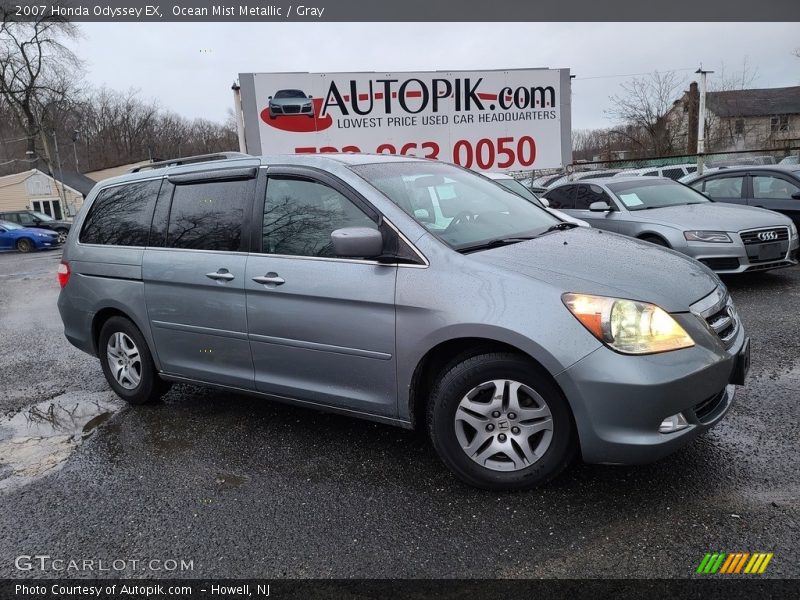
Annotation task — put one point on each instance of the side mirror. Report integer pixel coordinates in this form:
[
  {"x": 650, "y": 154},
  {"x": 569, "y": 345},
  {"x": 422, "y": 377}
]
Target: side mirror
[
  {"x": 357, "y": 242},
  {"x": 545, "y": 202},
  {"x": 599, "y": 207},
  {"x": 269, "y": 97}
]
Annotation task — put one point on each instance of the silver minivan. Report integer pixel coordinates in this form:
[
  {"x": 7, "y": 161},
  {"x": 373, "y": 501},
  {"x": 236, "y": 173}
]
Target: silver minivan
[{"x": 519, "y": 341}]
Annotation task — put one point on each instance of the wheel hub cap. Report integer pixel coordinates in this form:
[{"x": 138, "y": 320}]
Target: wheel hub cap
[
  {"x": 504, "y": 425},
  {"x": 124, "y": 360}
]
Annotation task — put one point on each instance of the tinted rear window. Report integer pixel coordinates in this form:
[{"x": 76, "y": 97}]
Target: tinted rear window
[
  {"x": 121, "y": 215},
  {"x": 209, "y": 216}
]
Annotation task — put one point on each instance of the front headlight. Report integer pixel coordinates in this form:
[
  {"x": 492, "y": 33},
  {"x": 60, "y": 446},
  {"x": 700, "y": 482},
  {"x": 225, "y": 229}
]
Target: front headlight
[
  {"x": 793, "y": 229},
  {"x": 707, "y": 236},
  {"x": 628, "y": 326}
]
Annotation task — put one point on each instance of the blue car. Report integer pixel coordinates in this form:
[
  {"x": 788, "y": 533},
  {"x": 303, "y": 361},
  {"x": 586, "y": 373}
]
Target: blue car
[{"x": 26, "y": 239}]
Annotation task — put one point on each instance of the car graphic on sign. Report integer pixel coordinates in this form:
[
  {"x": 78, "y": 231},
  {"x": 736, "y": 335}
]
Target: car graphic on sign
[{"x": 290, "y": 102}]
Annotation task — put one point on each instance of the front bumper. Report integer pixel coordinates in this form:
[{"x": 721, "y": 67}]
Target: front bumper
[
  {"x": 737, "y": 257},
  {"x": 619, "y": 401}
]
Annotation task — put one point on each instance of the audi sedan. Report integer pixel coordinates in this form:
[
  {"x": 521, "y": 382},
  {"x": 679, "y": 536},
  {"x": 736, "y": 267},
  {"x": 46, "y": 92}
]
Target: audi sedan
[{"x": 727, "y": 238}]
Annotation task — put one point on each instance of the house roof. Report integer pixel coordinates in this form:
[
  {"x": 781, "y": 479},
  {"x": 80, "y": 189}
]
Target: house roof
[
  {"x": 77, "y": 181},
  {"x": 68, "y": 182},
  {"x": 755, "y": 103}
]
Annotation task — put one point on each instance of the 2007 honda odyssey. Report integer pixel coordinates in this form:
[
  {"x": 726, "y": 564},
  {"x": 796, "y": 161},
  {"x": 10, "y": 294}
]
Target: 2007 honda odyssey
[{"x": 408, "y": 291}]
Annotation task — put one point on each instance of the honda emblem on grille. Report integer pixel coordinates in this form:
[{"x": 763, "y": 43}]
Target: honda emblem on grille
[{"x": 767, "y": 236}]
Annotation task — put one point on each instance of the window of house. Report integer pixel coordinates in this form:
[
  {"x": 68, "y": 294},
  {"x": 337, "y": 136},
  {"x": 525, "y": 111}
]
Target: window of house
[
  {"x": 779, "y": 123},
  {"x": 738, "y": 126}
]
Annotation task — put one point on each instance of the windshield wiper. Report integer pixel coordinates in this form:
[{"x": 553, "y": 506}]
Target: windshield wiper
[
  {"x": 496, "y": 243},
  {"x": 561, "y": 227}
]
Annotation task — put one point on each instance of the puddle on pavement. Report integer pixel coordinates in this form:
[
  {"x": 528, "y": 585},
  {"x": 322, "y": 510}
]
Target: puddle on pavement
[
  {"x": 38, "y": 439},
  {"x": 228, "y": 481}
]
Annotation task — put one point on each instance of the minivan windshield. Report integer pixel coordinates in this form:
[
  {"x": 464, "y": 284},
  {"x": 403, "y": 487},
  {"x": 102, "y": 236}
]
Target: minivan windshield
[
  {"x": 464, "y": 210},
  {"x": 655, "y": 193}
]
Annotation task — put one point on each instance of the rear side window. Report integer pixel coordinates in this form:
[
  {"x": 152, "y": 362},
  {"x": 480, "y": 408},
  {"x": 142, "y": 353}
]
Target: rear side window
[
  {"x": 724, "y": 187},
  {"x": 209, "y": 215},
  {"x": 589, "y": 194},
  {"x": 121, "y": 215},
  {"x": 562, "y": 197},
  {"x": 673, "y": 173}
]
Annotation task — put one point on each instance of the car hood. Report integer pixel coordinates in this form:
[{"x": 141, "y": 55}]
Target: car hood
[
  {"x": 715, "y": 216},
  {"x": 48, "y": 232},
  {"x": 593, "y": 261}
]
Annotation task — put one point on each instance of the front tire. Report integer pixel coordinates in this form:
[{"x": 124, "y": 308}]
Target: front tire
[
  {"x": 127, "y": 362},
  {"x": 499, "y": 423},
  {"x": 654, "y": 239}
]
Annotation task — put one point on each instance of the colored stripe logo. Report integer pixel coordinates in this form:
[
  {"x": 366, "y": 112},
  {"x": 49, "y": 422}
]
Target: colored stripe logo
[{"x": 734, "y": 563}]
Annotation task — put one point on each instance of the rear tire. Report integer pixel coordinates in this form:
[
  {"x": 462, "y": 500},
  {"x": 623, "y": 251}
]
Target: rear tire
[
  {"x": 24, "y": 245},
  {"x": 127, "y": 362},
  {"x": 499, "y": 423}
]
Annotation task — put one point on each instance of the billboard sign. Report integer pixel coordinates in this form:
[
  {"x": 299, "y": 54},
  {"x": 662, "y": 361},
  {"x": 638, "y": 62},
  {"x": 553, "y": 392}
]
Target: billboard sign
[{"x": 484, "y": 120}]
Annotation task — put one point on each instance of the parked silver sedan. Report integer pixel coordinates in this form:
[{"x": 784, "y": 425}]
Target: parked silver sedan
[{"x": 726, "y": 238}]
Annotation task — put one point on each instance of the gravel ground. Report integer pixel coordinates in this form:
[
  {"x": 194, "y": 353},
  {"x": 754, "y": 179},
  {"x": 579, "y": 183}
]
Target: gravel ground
[{"x": 244, "y": 488}]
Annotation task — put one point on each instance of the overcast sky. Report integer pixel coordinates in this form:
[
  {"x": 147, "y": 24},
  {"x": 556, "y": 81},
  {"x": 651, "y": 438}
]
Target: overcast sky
[{"x": 165, "y": 61}]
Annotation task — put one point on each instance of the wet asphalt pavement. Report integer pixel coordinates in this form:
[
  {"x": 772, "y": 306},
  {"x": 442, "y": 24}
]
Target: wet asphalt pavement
[{"x": 246, "y": 488}]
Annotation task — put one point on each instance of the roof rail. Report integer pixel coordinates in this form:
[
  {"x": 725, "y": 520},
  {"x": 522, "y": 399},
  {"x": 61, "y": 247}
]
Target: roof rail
[{"x": 189, "y": 160}]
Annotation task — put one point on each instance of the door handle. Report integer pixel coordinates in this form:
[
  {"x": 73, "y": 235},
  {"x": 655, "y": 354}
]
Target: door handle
[
  {"x": 270, "y": 279},
  {"x": 220, "y": 275}
]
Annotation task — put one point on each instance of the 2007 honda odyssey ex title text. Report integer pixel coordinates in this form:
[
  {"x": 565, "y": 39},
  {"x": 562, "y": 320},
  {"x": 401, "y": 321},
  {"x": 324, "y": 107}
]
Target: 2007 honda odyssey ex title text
[{"x": 408, "y": 291}]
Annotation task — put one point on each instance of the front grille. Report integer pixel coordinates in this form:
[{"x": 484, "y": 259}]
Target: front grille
[
  {"x": 765, "y": 236},
  {"x": 719, "y": 314},
  {"x": 291, "y": 108},
  {"x": 772, "y": 265},
  {"x": 708, "y": 407},
  {"x": 721, "y": 264},
  {"x": 723, "y": 323}
]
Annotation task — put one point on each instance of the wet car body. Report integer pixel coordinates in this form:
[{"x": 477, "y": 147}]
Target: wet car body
[
  {"x": 25, "y": 239},
  {"x": 726, "y": 238},
  {"x": 375, "y": 341}
]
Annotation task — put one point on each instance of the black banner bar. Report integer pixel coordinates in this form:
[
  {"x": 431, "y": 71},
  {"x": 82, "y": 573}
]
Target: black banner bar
[
  {"x": 710, "y": 588},
  {"x": 402, "y": 11}
]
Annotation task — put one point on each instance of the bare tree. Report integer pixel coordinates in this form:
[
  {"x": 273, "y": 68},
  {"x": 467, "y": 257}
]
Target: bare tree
[
  {"x": 37, "y": 72},
  {"x": 644, "y": 106}
]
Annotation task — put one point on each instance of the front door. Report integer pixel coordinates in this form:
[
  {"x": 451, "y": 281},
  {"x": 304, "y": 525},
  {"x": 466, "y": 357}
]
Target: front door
[
  {"x": 321, "y": 328},
  {"x": 194, "y": 273}
]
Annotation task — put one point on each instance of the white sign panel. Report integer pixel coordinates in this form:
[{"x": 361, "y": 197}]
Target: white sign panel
[{"x": 484, "y": 120}]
